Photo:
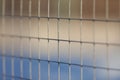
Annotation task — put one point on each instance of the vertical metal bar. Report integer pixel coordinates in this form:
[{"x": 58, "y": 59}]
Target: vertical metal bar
[
  {"x": 3, "y": 58},
  {"x": 81, "y": 58},
  {"x": 81, "y": 7},
  {"x": 69, "y": 8},
  {"x": 107, "y": 51},
  {"x": 48, "y": 8},
  {"x": 38, "y": 8},
  {"x": 3, "y": 55},
  {"x": 81, "y": 76},
  {"x": 30, "y": 56},
  {"x": 38, "y": 39},
  {"x": 58, "y": 56},
  {"x": 107, "y": 17},
  {"x": 58, "y": 39},
  {"x": 69, "y": 40},
  {"x": 30, "y": 7},
  {"x": 12, "y": 44},
  {"x": 21, "y": 45},
  {"x": 21, "y": 8},
  {"x": 81, "y": 67},
  {"x": 107, "y": 9},
  {"x": 69, "y": 51},
  {"x": 21, "y": 51},
  {"x": 108, "y": 62},
  {"x": 69, "y": 59},
  {"x": 12, "y": 12},
  {"x": 21, "y": 61},
  {"x": 94, "y": 76},
  {"x": 39, "y": 62},
  {"x": 58, "y": 8},
  {"x": 3, "y": 7},
  {"x": 3, "y": 41},
  {"x": 30, "y": 63},
  {"x": 94, "y": 63},
  {"x": 3, "y": 14},
  {"x": 69, "y": 62},
  {"x": 48, "y": 61},
  {"x": 94, "y": 57},
  {"x": 94, "y": 1},
  {"x": 48, "y": 41},
  {"x": 12, "y": 58}
]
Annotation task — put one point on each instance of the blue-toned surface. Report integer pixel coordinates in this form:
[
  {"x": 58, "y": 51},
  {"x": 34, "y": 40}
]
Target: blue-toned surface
[
  {"x": 114, "y": 75},
  {"x": 17, "y": 67},
  {"x": 0, "y": 68},
  {"x": 44, "y": 70},
  {"x": 26, "y": 68},
  {"x": 75, "y": 72},
  {"x": 88, "y": 73},
  {"x": 35, "y": 70},
  {"x": 64, "y": 51},
  {"x": 75, "y": 53},
  {"x": 53, "y": 71},
  {"x": 87, "y": 54},
  {"x": 64, "y": 71},
  {"x": 53, "y": 50},
  {"x": 8, "y": 67},
  {"x": 101, "y": 74}
]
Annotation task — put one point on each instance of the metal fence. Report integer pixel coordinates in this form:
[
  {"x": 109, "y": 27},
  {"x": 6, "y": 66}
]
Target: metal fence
[{"x": 59, "y": 39}]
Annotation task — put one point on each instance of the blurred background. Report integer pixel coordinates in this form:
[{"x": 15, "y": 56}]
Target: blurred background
[{"x": 59, "y": 39}]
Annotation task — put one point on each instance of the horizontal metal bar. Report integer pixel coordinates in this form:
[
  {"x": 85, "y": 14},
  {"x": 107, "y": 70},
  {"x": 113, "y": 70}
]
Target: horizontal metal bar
[
  {"x": 81, "y": 19},
  {"x": 87, "y": 42},
  {"x": 60, "y": 62}
]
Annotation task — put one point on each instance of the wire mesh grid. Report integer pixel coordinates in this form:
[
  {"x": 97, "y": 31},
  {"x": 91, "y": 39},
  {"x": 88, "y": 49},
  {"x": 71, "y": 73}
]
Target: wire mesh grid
[{"x": 59, "y": 39}]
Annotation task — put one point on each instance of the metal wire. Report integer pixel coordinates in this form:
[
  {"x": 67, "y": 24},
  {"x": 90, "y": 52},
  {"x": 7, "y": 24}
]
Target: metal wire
[
  {"x": 64, "y": 40},
  {"x": 60, "y": 62},
  {"x": 80, "y": 19}
]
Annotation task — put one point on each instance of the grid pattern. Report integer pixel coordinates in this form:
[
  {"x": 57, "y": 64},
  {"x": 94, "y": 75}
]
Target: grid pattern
[{"x": 59, "y": 39}]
